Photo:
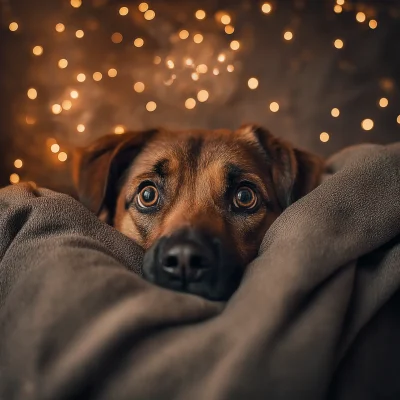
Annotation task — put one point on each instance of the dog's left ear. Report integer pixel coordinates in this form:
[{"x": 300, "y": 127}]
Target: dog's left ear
[
  {"x": 98, "y": 167},
  {"x": 294, "y": 172}
]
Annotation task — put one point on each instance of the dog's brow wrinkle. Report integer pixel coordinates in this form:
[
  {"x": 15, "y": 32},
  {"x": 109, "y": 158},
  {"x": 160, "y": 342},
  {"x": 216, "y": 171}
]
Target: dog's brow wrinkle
[{"x": 161, "y": 167}]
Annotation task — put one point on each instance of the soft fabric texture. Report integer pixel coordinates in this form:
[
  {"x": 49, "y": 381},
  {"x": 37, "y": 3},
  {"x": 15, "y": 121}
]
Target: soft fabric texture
[{"x": 316, "y": 316}]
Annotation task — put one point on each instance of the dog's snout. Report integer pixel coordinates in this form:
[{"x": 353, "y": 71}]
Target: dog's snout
[
  {"x": 187, "y": 261},
  {"x": 191, "y": 260}
]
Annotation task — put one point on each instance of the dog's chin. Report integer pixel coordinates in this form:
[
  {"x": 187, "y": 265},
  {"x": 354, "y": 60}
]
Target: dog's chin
[{"x": 218, "y": 284}]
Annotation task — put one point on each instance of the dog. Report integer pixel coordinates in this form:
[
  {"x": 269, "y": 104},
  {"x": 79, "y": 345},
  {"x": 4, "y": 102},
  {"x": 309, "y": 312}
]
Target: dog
[{"x": 199, "y": 202}]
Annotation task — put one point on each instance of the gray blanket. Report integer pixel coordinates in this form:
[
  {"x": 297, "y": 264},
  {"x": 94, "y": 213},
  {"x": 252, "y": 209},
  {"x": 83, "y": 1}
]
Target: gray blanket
[{"x": 317, "y": 315}]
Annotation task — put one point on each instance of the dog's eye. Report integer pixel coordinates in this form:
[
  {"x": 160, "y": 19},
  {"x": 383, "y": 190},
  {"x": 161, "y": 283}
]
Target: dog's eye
[
  {"x": 245, "y": 198},
  {"x": 148, "y": 197}
]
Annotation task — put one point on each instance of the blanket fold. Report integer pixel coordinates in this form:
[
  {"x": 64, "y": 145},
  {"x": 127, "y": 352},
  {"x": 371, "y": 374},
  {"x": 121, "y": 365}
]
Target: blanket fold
[{"x": 316, "y": 316}]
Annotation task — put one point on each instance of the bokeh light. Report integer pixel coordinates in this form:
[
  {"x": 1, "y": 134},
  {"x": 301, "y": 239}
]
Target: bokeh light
[
  {"x": 143, "y": 7},
  {"x": 14, "y": 178},
  {"x": 151, "y": 106},
  {"x": 253, "y": 83},
  {"x": 123, "y": 11},
  {"x": 373, "y": 24},
  {"x": 149, "y": 15},
  {"x": 198, "y": 38},
  {"x": 338, "y": 43},
  {"x": 18, "y": 163},
  {"x": 79, "y": 34},
  {"x": 367, "y": 124},
  {"x": 81, "y": 128},
  {"x": 288, "y": 35},
  {"x": 66, "y": 105},
  {"x": 383, "y": 102},
  {"x": 13, "y": 26},
  {"x": 56, "y": 108},
  {"x": 202, "y": 96},
  {"x": 183, "y": 34},
  {"x": 229, "y": 29},
  {"x": 32, "y": 93},
  {"x": 63, "y": 63},
  {"x": 74, "y": 94},
  {"x": 190, "y": 103},
  {"x": 235, "y": 45},
  {"x": 200, "y": 14},
  {"x": 324, "y": 137},
  {"x": 139, "y": 87},
  {"x": 112, "y": 72},
  {"x": 60, "y": 28},
  {"x": 37, "y": 50},
  {"x": 138, "y": 42},
  {"x": 81, "y": 77},
  {"x": 335, "y": 112},
  {"x": 62, "y": 156},
  {"x": 97, "y": 76},
  {"x": 55, "y": 148},
  {"x": 76, "y": 3},
  {"x": 274, "y": 106},
  {"x": 360, "y": 16},
  {"x": 116, "y": 37},
  {"x": 266, "y": 8},
  {"x": 119, "y": 130}
]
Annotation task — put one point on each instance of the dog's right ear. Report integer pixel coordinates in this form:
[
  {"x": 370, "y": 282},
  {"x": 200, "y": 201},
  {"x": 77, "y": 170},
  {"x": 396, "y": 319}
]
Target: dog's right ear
[{"x": 98, "y": 167}]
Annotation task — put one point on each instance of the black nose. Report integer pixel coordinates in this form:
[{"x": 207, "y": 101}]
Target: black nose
[{"x": 187, "y": 262}]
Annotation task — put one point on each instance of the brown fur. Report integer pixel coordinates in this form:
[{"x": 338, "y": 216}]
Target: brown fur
[{"x": 193, "y": 166}]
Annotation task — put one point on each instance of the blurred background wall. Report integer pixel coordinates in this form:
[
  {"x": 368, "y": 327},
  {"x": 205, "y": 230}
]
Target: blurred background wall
[{"x": 323, "y": 74}]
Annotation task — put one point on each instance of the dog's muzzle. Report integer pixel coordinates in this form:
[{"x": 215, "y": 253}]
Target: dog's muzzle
[{"x": 192, "y": 261}]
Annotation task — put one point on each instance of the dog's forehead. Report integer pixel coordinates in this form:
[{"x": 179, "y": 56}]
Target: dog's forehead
[{"x": 204, "y": 146}]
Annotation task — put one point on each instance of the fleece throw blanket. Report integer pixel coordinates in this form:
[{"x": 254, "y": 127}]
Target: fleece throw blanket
[{"x": 317, "y": 315}]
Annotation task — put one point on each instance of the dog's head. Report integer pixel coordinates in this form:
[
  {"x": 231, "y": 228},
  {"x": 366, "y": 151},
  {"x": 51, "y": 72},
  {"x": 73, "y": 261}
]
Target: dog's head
[{"x": 198, "y": 202}]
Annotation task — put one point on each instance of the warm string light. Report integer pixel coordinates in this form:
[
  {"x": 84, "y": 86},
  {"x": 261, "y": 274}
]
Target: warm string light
[
  {"x": 32, "y": 93},
  {"x": 202, "y": 69},
  {"x": 226, "y": 19},
  {"x": 335, "y": 112},
  {"x": 253, "y": 83},
  {"x": 62, "y": 156},
  {"x": 123, "y": 11},
  {"x": 266, "y": 8},
  {"x": 56, "y": 109},
  {"x": 361, "y": 17},
  {"x": 18, "y": 163},
  {"x": 37, "y": 50},
  {"x": 138, "y": 42},
  {"x": 367, "y": 124},
  {"x": 274, "y": 106},
  {"x": 60, "y": 28},
  {"x": 76, "y": 3},
  {"x": 81, "y": 128},
  {"x": 14, "y": 178},
  {"x": 63, "y": 63},
  {"x": 112, "y": 72},
  {"x": 338, "y": 9},
  {"x": 235, "y": 45},
  {"x": 66, "y": 105},
  {"x": 230, "y": 68},
  {"x": 202, "y": 96},
  {"x": 200, "y": 14},
  {"x": 97, "y": 76},
  {"x": 383, "y": 102},
  {"x": 183, "y": 34},
  {"x": 81, "y": 77},
  {"x": 221, "y": 58},
  {"x": 340, "y": 2},
  {"x": 139, "y": 87},
  {"x": 143, "y": 7},
  {"x": 338, "y": 43},
  {"x": 119, "y": 130},
  {"x": 13, "y": 26},
  {"x": 74, "y": 94},
  {"x": 288, "y": 35},
  {"x": 195, "y": 76},
  {"x": 55, "y": 148},
  {"x": 198, "y": 38},
  {"x": 215, "y": 71},
  {"x": 324, "y": 137},
  {"x": 79, "y": 34},
  {"x": 151, "y": 106},
  {"x": 229, "y": 29},
  {"x": 190, "y": 103},
  {"x": 149, "y": 15},
  {"x": 373, "y": 24}
]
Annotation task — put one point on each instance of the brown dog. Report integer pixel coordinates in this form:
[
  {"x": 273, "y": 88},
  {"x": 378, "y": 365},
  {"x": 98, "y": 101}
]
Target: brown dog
[{"x": 199, "y": 202}]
